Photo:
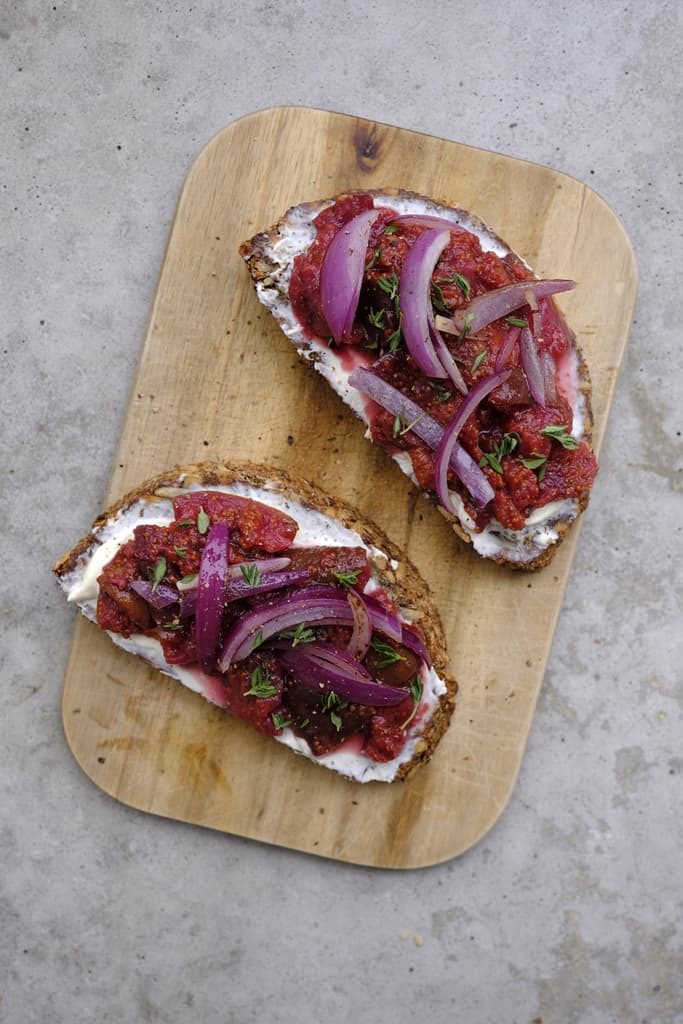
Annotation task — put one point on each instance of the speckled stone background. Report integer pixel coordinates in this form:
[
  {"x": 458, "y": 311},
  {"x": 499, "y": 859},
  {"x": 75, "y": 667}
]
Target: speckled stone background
[{"x": 570, "y": 909}]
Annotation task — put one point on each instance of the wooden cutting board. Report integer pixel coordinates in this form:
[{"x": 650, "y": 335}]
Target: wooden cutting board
[{"x": 217, "y": 380}]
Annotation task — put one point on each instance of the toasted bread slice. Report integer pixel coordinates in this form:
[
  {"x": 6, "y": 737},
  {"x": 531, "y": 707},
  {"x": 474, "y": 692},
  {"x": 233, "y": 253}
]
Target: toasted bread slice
[
  {"x": 543, "y": 486},
  {"x": 133, "y": 550}
]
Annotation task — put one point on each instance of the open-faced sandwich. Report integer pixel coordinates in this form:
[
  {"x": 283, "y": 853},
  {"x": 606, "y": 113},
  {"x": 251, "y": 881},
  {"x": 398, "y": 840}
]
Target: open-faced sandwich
[
  {"x": 278, "y": 603},
  {"x": 450, "y": 349}
]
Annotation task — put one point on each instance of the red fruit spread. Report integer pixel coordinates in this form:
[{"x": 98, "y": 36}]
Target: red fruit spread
[
  {"x": 539, "y": 469},
  {"x": 166, "y": 555}
]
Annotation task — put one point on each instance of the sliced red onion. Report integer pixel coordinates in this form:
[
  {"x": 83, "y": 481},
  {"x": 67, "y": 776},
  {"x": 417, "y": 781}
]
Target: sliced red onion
[
  {"x": 450, "y": 435},
  {"x": 533, "y": 369},
  {"x": 157, "y": 597},
  {"x": 324, "y": 671},
  {"x": 341, "y": 275},
  {"x": 415, "y": 300},
  {"x": 262, "y": 564},
  {"x": 362, "y": 627},
  {"x": 511, "y": 339},
  {"x": 536, "y": 318},
  {"x": 413, "y": 642},
  {"x": 549, "y": 376},
  {"x": 239, "y": 588},
  {"x": 211, "y": 593},
  {"x": 490, "y": 306},
  {"x": 426, "y": 428},
  {"x": 266, "y": 620},
  {"x": 426, "y": 221},
  {"x": 447, "y": 361},
  {"x": 383, "y": 620},
  {"x": 188, "y": 604}
]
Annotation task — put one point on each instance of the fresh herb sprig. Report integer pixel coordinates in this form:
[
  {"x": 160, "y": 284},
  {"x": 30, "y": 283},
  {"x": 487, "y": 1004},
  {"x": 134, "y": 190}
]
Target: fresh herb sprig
[
  {"x": 251, "y": 574},
  {"x": 416, "y": 691},
  {"x": 389, "y": 654},
  {"x": 261, "y": 685},
  {"x": 347, "y": 579},
  {"x": 558, "y": 432}
]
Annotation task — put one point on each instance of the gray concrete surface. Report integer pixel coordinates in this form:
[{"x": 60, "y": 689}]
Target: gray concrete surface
[{"x": 570, "y": 909}]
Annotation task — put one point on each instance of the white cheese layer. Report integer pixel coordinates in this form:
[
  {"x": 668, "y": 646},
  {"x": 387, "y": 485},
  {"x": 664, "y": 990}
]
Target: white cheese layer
[
  {"x": 296, "y": 234},
  {"x": 315, "y": 528}
]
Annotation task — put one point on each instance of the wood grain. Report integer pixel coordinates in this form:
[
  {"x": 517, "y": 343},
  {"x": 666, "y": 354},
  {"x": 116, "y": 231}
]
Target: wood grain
[{"x": 217, "y": 380}]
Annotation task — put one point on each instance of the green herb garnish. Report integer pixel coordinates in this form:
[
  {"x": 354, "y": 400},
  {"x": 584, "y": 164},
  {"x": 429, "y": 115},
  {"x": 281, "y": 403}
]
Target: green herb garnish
[
  {"x": 303, "y": 634},
  {"x": 467, "y": 323},
  {"x": 438, "y": 300},
  {"x": 506, "y": 447},
  {"x": 203, "y": 521},
  {"x": 347, "y": 579},
  {"x": 186, "y": 522},
  {"x": 464, "y": 285},
  {"x": 306, "y": 721},
  {"x": 279, "y": 720},
  {"x": 376, "y": 318},
  {"x": 536, "y": 461},
  {"x": 396, "y": 337},
  {"x": 416, "y": 689},
  {"x": 375, "y": 256},
  {"x": 391, "y": 229},
  {"x": 251, "y": 574},
  {"x": 389, "y": 285},
  {"x": 558, "y": 432},
  {"x": 158, "y": 572},
  {"x": 515, "y": 321},
  {"x": 180, "y": 552},
  {"x": 397, "y": 426},
  {"x": 442, "y": 393},
  {"x": 187, "y": 580},
  {"x": 478, "y": 360},
  {"x": 408, "y": 426},
  {"x": 261, "y": 685},
  {"x": 336, "y": 720},
  {"x": 258, "y": 640},
  {"x": 389, "y": 654},
  {"x": 331, "y": 701}
]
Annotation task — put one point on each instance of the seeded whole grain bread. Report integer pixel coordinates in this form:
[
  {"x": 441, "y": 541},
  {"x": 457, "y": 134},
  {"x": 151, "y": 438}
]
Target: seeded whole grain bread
[
  {"x": 269, "y": 256},
  {"x": 394, "y": 572}
]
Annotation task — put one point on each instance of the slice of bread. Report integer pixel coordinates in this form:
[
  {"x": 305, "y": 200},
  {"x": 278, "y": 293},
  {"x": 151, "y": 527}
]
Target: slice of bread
[
  {"x": 322, "y": 521},
  {"x": 538, "y": 526}
]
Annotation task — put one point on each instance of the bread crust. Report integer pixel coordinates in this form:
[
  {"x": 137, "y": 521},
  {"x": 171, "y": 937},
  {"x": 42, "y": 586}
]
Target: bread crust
[
  {"x": 264, "y": 270},
  {"x": 396, "y": 573}
]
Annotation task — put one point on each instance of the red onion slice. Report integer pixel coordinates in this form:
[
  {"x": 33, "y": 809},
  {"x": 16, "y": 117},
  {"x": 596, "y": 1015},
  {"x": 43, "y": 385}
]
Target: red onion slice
[
  {"x": 549, "y": 376},
  {"x": 362, "y": 627},
  {"x": 450, "y": 434},
  {"x": 427, "y": 429},
  {"x": 536, "y": 317},
  {"x": 383, "y": 620},
  {"x": 239, "y": 588},
  {"x": 532, "y": 366},
  {"x": 264, "y": 621},
  {"x": 511, "y": 339},
  {"x": 415, "y": 299},
  {"x": 211, "y": 592},
  {"x": 413, "y": 642},
  {"x": 319, "y": 670},
  {"x": 426, "y": 221},
  {"x": 447, "y": 361},
  {"x": 341, "y": 275},
  {"x": 262, "y": 564},
  {"x": 490, "y": 306},
  {"x": 157, "y": 597}
]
